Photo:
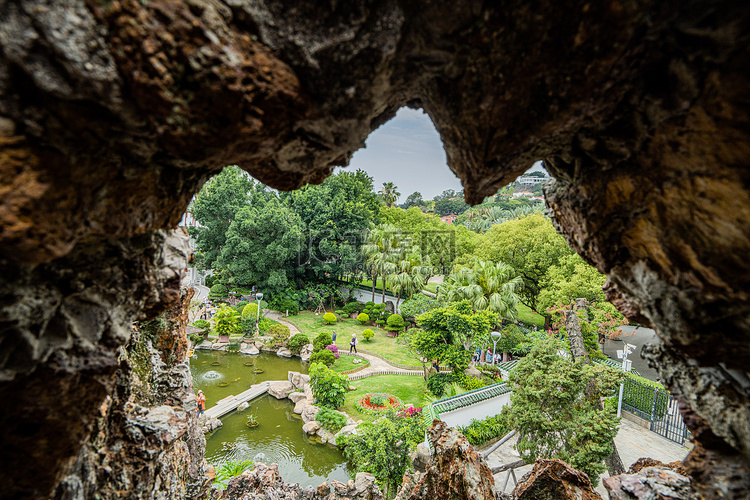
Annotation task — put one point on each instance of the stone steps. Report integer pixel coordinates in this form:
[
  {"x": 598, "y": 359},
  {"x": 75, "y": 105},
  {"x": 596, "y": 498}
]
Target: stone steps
[{"x": 230, "y": 403}]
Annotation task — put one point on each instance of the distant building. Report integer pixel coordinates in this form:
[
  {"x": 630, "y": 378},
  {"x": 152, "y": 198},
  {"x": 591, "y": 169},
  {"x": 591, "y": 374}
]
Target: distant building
[
  {"x": 531, "y": 180},
  {"x": 448, "y": 219},
  {"x": 188, "y": 220},
  {"x": 528, "y": 194},
  {"x": 541, "y": 198}
]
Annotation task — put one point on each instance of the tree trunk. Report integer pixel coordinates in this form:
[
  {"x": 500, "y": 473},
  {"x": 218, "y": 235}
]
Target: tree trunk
[
  {"x": 374, "y": 282},
  {"x": 578, "y": 350},
  {"x": 547, "y": 322},
  {"x": 383, "y": 289}
]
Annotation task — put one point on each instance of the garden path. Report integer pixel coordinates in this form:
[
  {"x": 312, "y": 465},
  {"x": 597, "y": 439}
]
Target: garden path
[{"x": 378, "y": 366}]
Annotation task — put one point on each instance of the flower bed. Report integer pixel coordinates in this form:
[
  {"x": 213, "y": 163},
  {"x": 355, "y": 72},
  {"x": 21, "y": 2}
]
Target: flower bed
[{"x": 369, "y": 403}]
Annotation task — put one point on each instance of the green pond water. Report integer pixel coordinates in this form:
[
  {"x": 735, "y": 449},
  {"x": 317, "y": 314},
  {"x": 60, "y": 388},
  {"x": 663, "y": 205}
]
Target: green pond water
[{"x": 279, "y": 436}]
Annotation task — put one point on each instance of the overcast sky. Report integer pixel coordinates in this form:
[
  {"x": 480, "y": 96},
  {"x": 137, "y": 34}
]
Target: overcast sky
[{"x": 408, "y": 152}]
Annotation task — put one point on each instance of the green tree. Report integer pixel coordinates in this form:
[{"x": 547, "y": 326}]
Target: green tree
[
  {"x": 571, "y": 278},
  {"x": 383, "y": 449},
  {"x": 413, "y": 200},
  {"x": 490, "y": 286},
  {"x": 460, "y": 326},
  {"x": 553, "y": 416},
  {"x": 328, "y": 387},
  {"x": 380, "y": 251},
  {"x": 227, "y": 321},
  {"x": 530, "y": 246},
  {"x": 428, "y": 345},
  {"x": 216, "y": 206},
  {"x": 389, "y": 194},
  {"x": 410, "y": 272},
  {"x": 262, "y": 246}
]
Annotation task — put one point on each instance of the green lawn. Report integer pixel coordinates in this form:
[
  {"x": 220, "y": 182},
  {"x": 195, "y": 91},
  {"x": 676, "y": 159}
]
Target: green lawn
[
  {"x": 387, "y": 347},
  {"x": 431, "y": 287},
  {"x": 526, "y": 315},
  {"x": 410, "y": 388},
  {"x": 346, "y": 363}
]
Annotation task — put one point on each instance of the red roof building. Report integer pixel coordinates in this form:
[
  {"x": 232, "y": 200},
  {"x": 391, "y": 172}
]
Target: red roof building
[{"x": 448, "y": 219}]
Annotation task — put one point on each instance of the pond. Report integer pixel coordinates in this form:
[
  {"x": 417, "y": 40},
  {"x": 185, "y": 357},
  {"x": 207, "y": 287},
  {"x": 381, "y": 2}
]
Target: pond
[{"x": 279, "y": 436}]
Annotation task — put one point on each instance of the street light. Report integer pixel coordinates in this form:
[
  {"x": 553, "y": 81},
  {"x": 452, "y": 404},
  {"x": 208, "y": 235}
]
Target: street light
[
  {"x": 495, "y": 337},
  {"x": 626, "y": 365},
  {"x": 258, "y": 298}
]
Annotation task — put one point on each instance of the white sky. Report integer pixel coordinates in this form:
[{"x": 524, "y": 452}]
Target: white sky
[{"x": 408, "y": 152}]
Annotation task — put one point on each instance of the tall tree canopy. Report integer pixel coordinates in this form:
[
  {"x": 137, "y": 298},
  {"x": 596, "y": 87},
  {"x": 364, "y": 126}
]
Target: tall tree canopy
[
  {"x": 531, "y": 246},
  {"x": 413, "y": 200},
  {"x": 389, "y": 194},
  {"x": 216, "y": 206},
  {"x": 486, "y": 285}
]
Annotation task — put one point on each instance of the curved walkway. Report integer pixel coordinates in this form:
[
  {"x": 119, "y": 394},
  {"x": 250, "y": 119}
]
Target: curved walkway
[{"x": 377, "y": 366}]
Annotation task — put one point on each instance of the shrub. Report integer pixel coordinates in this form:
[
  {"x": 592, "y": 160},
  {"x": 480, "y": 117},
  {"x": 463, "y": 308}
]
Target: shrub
[
  {"x": 420, "y": 304},
  {"x": 264, "y": 325},
  {"x": 321, "y": 341},
  {"x": 283, "y": 305},
  {"x": 210, "y": 281},
  {"x": 353, "y": 307},
  {"x": 227, "y": 321},
  {"x": 469, "y": 383},
  {"x": 196, "y": 338},
  {"x": 395, "y": 323},
  {"x": 297, "y": 342},
  {"x": 330, "y": 420},
  {"x": 217, "y": 292},
  {"x": 378, "y": 399},
  {"x": 380, "y": 323},
  {"x": 328, "y": 387},
  {"x": 280, "y": 334},
  {"x": 363, "y": 318},
  {"x": 250, "y": 310},
  {"x": 481, "y": 431},
  {"x": 437, "y": 382},
  {"x": 240, "y": 306},
  {"x": 340, "y": 313},
  {"x": 329, "y": 318},
  {"x": 334, "y": 350},
  {"x": 368, "y": 334},
  {"x": 202, "y": 324},
  {"x": 323, "y": 356},
  {"x": 369, "y": 303}
]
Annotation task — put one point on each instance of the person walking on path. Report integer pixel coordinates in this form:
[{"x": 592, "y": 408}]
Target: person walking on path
[
  {"x": 333, "y": 337},
  {"x": 353, "y": 344},
  {"x": 201, "y": 403}
]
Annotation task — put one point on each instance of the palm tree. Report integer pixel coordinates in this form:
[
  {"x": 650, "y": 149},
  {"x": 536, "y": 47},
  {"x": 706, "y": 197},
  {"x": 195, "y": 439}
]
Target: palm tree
[
  {"x": 486, "y": 285},
  {"x": 389, "y": 194},
  {"x": 379, "y": 252}
]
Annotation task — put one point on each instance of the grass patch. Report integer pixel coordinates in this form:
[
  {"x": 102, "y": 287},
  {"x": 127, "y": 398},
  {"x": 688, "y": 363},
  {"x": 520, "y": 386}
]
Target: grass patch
[
  {"x": 346, "y": 363},
  {"x": 526, "y": 315},
  {"x": 431, "y": 287},
  {"x": 387, "y": 347},
  {"x": 410, "y": 388}
]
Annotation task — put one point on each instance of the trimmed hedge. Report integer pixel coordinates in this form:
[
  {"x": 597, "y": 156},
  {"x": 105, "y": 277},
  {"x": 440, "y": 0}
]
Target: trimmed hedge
[{"x": 329, "y": 318}]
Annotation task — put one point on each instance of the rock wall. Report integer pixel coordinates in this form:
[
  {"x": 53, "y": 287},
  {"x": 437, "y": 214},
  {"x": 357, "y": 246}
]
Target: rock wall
[
  {"x": 112, "y": 115},
  {"x": 146, "y": 442}
]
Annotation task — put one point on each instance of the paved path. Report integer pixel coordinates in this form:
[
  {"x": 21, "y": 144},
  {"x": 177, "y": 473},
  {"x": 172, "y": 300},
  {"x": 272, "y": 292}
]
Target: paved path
[
  {"x": 230, "y": 403},
  {"x": 277, "y": 316},
  {"x": 633, "y": 442}
]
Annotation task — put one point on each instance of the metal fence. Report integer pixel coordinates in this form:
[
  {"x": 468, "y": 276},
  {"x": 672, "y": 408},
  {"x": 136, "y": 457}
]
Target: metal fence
[{"x": 652, "y": 403}]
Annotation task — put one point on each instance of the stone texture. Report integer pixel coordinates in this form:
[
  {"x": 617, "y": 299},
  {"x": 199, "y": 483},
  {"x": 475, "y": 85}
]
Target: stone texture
[
  {"x": 296, "y": 397},
  {"x": 309, "y": 412},
  {"x": 300, "y": 405},
  {"x": 249, "y": 349},
  {"x": 311, "y": 427},
  {"x": 554, "y": 480},
  {"x": 651, "y": 483},
  {"x": 265, "y": 483},
  {"x": 306, "y": 352},
  {"x": 457, "y": 470},
  {"x": 326, "y": 436},
  {"x": 206, "y": 344},
  {"x": 113, "y": 114},
  {"x": 299, "y": 379},
  {"x": 284, "y": 353},
  {"x": 280, "y": 390}
]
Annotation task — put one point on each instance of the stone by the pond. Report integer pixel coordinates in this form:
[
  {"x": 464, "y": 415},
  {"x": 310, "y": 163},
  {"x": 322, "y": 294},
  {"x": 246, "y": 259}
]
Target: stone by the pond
[
  {"x": 363, "y": 481},
  {"x": 347, "y": 430},
  {"x": 311, "y": 427},
  {"x": 220, "y": 346},
  {"x": 297, "y": 396},
  {"x": 306, "y": 352},
  {"x": 326, "y": 436},
  {"x": 206, "y": 344},
  {"x": 209, "y": 424},
  {"x": 308, "y": 414},
  {"x": 299, "y": 379},
  {"x": 280, "y": 390},
  {"x": 300, "y": 406},
  {"x": 249, "y": 349},
  {"x": 284, "y": 353},
  {"x": 243, "y": 406}
]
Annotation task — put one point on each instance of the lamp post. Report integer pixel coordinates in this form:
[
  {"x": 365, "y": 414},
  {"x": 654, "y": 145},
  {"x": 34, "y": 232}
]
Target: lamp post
[
  {"x": 495, "y": 337},
  {"x": 258, "y": 298},
  {"x": 626, "y": 364}
]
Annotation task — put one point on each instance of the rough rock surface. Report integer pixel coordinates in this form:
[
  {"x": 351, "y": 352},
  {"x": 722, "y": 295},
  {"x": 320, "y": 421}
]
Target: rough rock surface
[
  {"x": 298, "y": 379},
  {"x": 280, "y": 390},
  {"x": 311, "y": 427},
  {"x": 554, "y": 480},
  {"x": 306, "y": 352},
  {"x": 148, "y": 442},
  {"x": 264, "y": 482},
  {"x": 284, "y": 353},
  {"x": 249, "y": 348},
  {"x": 300, "y": 405},
  {"x": 457, "y": 471},
  {"x": 296, "y": 397},
  {"x": 651, "y": 483},
  {"x": 113, "y": 114}
]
